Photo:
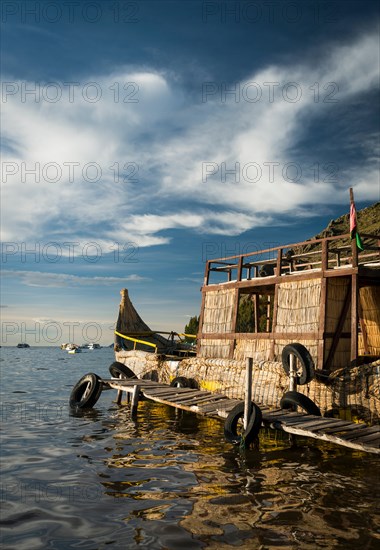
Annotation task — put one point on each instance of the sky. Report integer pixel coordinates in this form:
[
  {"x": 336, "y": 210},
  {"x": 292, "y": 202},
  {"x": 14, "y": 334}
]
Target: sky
[{"x": 140, "y": 138}]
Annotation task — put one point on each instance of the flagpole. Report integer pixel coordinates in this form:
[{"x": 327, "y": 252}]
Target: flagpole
[
  {"x": 354, "y": 248},
  {"x": 354, "y": 296}
]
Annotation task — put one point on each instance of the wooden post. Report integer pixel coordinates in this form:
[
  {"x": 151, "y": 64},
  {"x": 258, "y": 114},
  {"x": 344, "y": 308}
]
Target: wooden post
[
  {"x": 322, "y": 324},
  {"x": 240, "y": 268},
  {"x": 274, "y": 322},
  {"x": 207, "y": 273},
  {"x": 119, "y": 396},
  {"x": 292, "y": 373},
  {"x": 248, "y": 391},
  {"x": 325, "y": 255},
  {"x": 279, "y": 262},
  {"x": 200, "y": 325},
  {"x": 354, "y": 319},
  {"x": 268, "y": 313},
  {"x": 135, "y": 399},
  {"x": 256, "y": 312},
  {"x": 234, "y": 322},
  {"x": 354, "y": 297}
]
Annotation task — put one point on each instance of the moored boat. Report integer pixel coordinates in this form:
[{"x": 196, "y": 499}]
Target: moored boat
[
  {"x": 71, "y": 348},
  {"x": 315, "y": 301}
]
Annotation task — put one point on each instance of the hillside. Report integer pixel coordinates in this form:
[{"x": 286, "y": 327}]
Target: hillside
[{"x": 368, "y": 222}]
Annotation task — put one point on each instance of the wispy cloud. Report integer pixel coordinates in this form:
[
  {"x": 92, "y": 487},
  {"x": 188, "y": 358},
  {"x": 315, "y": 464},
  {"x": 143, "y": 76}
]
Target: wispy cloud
[
  {"x": 44, "y": 279},
  {"x": 156, "y": 156}
]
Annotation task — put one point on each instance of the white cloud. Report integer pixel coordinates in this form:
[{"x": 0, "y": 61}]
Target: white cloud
[
  {"x": 45, "y": 279},
  {"x": 171, "y": 191}
]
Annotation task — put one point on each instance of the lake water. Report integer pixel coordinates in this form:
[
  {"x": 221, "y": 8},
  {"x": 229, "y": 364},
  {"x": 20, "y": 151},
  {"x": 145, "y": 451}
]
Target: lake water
[{"x": 164, "y": 480}]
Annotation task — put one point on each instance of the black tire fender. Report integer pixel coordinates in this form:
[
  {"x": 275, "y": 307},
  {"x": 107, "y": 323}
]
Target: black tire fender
[
  {"x": 180, "y": 382},
  {"x": 293, "y": 399},
  {"x": 253, "y": 427},
  {"x": 119, "y": 370},
  {"x": 86, "y": 391},
  {"x": 305, "y": 359}
]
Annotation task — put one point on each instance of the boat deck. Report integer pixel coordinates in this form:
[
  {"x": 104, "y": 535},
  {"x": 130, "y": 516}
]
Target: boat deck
[{"x": 340, "y": 432}]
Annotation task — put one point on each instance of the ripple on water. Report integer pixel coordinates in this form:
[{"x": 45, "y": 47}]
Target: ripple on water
[{"x": 97, "y": 479}]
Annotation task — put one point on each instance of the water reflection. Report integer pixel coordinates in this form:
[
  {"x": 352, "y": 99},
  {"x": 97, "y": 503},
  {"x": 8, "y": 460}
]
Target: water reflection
[
  {"x": 182, "y": 469},
  {"x": 99, "y": 479}
]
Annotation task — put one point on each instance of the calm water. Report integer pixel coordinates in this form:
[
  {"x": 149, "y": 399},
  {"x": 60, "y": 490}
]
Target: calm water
[{"x": 165, "y": 480}]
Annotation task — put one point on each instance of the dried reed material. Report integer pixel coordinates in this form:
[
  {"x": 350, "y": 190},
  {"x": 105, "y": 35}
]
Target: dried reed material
[
  {"x": 337, "y": 288},
  {"x": 338, "y": 291},
  {"x": 259, "y": 349},
  {"x": 369, "y": 301},
  {"x": 311, "y": 345},
  {"x": 342, "y": 355},
  {"x": 218, "y": 311},
  {"x": 298, "y": 306},
  {"x": 214, "y": 348}
]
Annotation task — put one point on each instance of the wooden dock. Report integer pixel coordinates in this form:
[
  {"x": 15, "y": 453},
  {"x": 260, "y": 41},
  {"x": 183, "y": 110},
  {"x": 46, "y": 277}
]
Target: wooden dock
[{"x": 339, "y": 432}]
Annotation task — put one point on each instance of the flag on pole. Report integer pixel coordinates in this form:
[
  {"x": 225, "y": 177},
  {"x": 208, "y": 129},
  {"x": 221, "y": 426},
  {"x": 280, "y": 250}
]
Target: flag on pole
[{"x": 354, "y": 227}]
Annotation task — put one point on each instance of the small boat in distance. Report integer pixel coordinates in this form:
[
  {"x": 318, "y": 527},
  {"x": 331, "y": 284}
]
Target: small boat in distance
[
  {"x": 23, "y": 345},
  {"x": 71, "y": 348},
  {"x": 91, "y": 345},
  {"x": 74, "y": 350}
]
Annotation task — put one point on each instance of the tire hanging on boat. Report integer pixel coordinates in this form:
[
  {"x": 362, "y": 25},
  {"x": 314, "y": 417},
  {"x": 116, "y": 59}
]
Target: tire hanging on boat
[
  {"x": 86, "y": 391},
  {"x": 293, "y": 399},
  {"x": 253, "y": 426},
  {"x": 119, "y": 370},
  {"x": 305, "y": 359}
]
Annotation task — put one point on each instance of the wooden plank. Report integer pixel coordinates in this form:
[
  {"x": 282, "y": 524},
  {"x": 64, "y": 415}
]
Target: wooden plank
[
  {"x": 311, "y": 420},
  {"x": 171, "y": 404},
  {"x": 369, "y": 430},
  {"x": 170, "y": 390},
  {"x": 332, "y": 439},
  {"x": 222, "y": 409},
  {"x": 371, "y": 439},
  {"x": 284, "y": 413},
  {"x": 350, "y": 426},
  {"x": 315, "y": 425},
  {"x": 339, "y": 427},
  {"x": 351, "y": 434},
  {"x": 175, "y": 396},
  {"x": 209, "y": 399},
  {"x": 197, "y": 400}
]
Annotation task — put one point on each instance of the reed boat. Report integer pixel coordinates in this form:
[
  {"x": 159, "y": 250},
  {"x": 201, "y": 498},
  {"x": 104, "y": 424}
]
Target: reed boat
[{"x": 317, "y": 302}]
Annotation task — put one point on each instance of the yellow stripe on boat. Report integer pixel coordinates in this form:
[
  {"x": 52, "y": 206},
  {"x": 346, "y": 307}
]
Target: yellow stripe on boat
[{"x": 136, "y": 340}]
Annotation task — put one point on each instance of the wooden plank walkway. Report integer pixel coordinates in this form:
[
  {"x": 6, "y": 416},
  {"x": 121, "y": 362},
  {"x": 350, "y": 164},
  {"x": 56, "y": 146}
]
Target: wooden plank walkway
[{"x": 340, "y": 432}]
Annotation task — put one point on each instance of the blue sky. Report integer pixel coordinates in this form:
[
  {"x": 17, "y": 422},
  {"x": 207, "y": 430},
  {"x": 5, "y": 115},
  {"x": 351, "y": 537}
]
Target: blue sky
[{"x": 140, "y": 138}]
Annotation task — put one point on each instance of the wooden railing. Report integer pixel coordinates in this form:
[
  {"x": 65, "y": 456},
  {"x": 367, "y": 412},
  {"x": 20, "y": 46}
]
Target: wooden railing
[{"x": 324, "y": 254}]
